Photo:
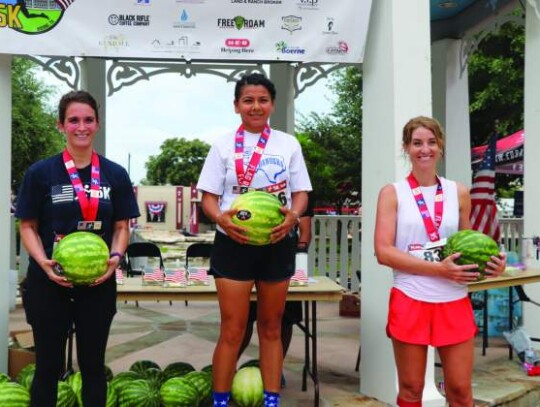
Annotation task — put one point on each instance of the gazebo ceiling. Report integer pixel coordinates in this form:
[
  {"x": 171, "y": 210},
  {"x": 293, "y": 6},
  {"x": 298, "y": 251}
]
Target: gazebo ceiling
[{"x": 453, "y": 18}]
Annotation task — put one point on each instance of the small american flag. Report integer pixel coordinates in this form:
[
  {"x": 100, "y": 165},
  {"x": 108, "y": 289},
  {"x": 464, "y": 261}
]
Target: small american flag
[
  {"x": 64, "y": 4},
  {"x": 299, "y": 277},
  {"x": 175, "y": 278},
  {"x": 483, "y": 206},
  {"x": 119, "y": 276},
  {"x": 62, "y": 193},
  {"x": 197, "y": 276},
  {"x": 153, "y": 275}
]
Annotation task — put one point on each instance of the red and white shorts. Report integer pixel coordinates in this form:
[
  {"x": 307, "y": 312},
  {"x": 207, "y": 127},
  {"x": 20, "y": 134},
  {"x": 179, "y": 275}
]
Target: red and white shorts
[{"x": 427, "y": 323}]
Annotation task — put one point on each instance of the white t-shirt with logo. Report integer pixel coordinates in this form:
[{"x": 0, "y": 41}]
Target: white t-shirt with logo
[{"x": 282, "y": 162}]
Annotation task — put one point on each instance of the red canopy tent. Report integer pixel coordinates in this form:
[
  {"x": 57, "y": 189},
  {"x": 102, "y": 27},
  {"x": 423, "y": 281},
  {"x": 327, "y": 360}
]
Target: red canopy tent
[{"x": 509, "y": 156}]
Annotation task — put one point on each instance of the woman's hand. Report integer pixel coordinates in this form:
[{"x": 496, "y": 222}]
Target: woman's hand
[
  {"x": 48, "y": 267},
  {"x": 112, "y": 265},
  {"x": 282, "y": 230},
  {"x": 235, "y": 232},
  {"x": 461, "y": 274},
  {"x": 496, "y": 266}
]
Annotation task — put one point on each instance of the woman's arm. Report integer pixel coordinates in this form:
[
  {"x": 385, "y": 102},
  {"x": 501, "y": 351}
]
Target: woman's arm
[
  {"x": 34, "y": 246},
  {"x": 389, "y": 255}
]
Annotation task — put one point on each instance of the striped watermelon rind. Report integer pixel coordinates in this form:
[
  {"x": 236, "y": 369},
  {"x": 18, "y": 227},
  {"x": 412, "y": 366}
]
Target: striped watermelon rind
[
  {"x": 137, "y": 393},
  {"x": 179, "y": 392},
  {"x": 475, "y": 248},
  {"x": 14, "y": 395},
  {"x": 177, "y": 369},
  {"x": 82, "y": 257},
  {"x": 66, "y": 396},
  {"x": 247, "y": 387},
  {"x": 259, "y": 212},
  {"x": 203, "y": 382}
]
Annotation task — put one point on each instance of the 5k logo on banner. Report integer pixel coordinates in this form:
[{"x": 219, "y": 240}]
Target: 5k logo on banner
[{"x": 31, "y": 17}]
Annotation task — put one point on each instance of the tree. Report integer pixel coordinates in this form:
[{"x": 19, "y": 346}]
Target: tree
[
  {"x": 332, "y": 144},
  {"x": 34, "y": 133},
  {"x": 179, "y": 162}
]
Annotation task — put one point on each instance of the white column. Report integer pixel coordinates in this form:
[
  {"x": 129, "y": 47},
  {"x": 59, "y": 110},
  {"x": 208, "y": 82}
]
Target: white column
[
  {"x": 282, "y": 75},
  {"x": 5, "y": 221},
  {"x": 397, "y": 86},
  {"x": 93, "y": 79},
  {"x": 451, "y": 108},
  {"x": 531, "y": 196}
]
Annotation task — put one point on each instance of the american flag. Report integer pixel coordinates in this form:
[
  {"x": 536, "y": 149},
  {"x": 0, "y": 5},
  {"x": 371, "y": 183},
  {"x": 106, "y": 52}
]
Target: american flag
[
  {"x": 119, "y": 276},
  {"x": 153, "y": 274},
  {"x": 299, "y": 277},
  {"x": 64, "y": 4},
  {"x": 61, "y": 193},
  {"x": 197, "y": 275},
  {"x": 175, "y": 277},
  {"x": 483, "y": 206}
]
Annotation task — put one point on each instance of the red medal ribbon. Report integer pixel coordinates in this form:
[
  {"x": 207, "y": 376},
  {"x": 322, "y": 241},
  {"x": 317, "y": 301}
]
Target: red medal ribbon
[
  {"x": 245, "y": 177},
  {"x": 89, "y": 207},
  {"x": 432, "y": 227}
]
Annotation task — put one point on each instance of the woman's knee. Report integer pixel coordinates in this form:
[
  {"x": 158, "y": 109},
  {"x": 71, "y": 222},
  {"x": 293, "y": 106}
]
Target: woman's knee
[
  {"x": 269, "y": 329},
  {"x": 459, "y": 394},
  {"x": 411, "y": 389},
  {"x": 232, "y": 333}
]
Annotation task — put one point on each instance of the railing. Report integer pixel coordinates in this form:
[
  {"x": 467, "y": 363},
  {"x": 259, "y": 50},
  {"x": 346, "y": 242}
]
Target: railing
[
  {"x": 335, "y": 249},
  {"x": 512, "y": 235}
]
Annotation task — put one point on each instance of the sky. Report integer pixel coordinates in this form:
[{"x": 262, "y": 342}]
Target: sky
[{"x": 142, "y": 116}]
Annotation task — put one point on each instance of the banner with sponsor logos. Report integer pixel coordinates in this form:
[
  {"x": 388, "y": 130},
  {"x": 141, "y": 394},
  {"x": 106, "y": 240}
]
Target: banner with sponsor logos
[{"x": 251, "y": 30}]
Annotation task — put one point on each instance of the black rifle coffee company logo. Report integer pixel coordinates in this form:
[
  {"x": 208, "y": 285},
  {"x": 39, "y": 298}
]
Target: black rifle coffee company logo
[{"x": 132, "y": 20}]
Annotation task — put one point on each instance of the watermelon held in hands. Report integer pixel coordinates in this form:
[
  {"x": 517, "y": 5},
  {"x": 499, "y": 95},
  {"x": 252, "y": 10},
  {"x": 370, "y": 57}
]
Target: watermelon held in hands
[
  {"x": 475, "y": 248},
  {"x": 247, "y": 387},
  {"x": 259, "y": 212},
  {"x": 81, "y": 257}
]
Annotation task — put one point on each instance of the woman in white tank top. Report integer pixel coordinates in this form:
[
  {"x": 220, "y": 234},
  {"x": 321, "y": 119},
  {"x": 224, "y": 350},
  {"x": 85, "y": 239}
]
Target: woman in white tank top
[{"x": 413, "y": 218}]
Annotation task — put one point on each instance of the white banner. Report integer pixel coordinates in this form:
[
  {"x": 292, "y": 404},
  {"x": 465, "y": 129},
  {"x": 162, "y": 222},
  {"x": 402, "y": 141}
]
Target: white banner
[{"x": 251, "y": 30}]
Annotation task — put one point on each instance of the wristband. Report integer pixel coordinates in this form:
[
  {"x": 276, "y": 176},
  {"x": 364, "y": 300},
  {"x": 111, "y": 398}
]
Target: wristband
[{"x": 116, "y": 254}]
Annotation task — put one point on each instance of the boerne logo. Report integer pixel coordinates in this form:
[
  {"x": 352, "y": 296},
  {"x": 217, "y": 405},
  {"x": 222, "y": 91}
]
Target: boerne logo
[
  {"x": 291, "y": 23},
  {"x": 240, "y": 23},
  {"x": 139, "y": 20},
  {"x": 283, "y": 48},
  {"x": 31, "y": 16}
]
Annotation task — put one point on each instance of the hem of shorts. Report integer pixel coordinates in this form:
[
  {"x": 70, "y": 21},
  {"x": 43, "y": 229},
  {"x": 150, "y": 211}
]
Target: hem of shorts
[
  {"x": 214, "y": 272},
  {"x": 455, "y": 342}
]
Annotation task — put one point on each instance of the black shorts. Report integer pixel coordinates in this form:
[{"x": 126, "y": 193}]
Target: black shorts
[{"x": 273, "y": 262}]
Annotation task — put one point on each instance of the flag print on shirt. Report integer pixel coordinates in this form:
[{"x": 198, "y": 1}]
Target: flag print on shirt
[{"x": 62, "y": 193}]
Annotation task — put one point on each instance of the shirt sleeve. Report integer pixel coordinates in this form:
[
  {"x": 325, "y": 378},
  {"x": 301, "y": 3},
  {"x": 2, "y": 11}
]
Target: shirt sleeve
[{"x": 212, "y": 177}]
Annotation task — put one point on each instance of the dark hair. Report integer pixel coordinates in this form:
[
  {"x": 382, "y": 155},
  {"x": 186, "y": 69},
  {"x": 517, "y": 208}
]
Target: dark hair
[
  {"x": 80, "y": 96},
  {"x": 427, "y": 122},
  {"x": 254, "y": 79}
]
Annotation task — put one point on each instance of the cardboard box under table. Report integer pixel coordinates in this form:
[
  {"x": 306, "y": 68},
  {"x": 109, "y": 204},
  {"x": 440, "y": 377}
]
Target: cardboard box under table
[{"x": 20, "y": 352}]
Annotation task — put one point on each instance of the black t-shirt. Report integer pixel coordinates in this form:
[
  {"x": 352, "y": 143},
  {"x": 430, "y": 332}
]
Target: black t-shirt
[{"x": 47, "y": 195}]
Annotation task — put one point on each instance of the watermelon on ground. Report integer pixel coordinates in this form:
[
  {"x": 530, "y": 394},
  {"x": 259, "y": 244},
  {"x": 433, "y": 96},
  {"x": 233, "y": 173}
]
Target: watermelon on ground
[
  {"x": 247, "y": 387},
  {"x": 13, "y": 395},
  {"x": 137, "y": 393},
  {"x": 26, "y": 375},
  {"x": 250, "y": 363},
  {"x": 177, "y": 369},
  {"x": 122, "y": 378},
  {"x": 259, "y": 212},
  {"x": 203, "y": 382},
  {"x": 66, "y": 396},
  {"x": 75, "y": 381},
  {"x": 81, "y": 257},
  {"x": 475, "y": 248},
  {"x": 141, "y": 365},
  {"x": 4, "y": 378},
  {"x": 179, "y": 392}
]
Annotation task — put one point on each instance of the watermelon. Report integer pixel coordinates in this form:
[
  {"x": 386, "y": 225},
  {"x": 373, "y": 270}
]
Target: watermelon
[
  {"x": 137, "y": 393},
  {"x": 141, "y": 365},
  {"x": 75, "y": 381},
  {"x": 179, "y": 392},
  {"x": 177, "y": 369},
  {"x": 250, "y": 363},
  {"x": 81, "y": 257},
  {"x": 122, "y": 378},
  {"x": 203, "y": 382},
  {"x": 207, "y": 368},
  {"x": 4, "y": 378},
  {"x": 259, "y": 212},
  {"x": 26, "y": 375},
  {"x": 112, "y": 398},
  {"x": 13, "y": 395},
  {"x": 475, "y": 248},
  {"x": 247, "y": 387},
  {"x": 66, "y": 396}
]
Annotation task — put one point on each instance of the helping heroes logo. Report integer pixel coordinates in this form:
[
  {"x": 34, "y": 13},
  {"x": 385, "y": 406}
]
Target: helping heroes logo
[{"x": 36, "y": 19}]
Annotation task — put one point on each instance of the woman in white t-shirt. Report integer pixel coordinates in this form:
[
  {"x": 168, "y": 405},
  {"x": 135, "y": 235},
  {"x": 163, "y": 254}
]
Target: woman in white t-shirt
[
  {"x": 253, "y": 157},
  {"x": 429, "y": 304}
]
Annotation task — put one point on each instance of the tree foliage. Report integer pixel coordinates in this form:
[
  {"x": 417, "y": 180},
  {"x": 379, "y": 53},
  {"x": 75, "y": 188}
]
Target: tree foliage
[
  {"x": 34, "y": 133},
  {"x": 332, "y": 144},
  {"x": 179, "y": 162}
]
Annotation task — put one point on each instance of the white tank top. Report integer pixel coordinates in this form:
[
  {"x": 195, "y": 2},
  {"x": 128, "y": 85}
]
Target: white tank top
[{"x": 411, "y": 230}]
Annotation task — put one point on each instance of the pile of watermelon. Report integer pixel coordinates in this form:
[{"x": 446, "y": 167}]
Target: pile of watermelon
[
  {"x": 259, "y": 212},
  {"x": 475, "y": 248}
]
